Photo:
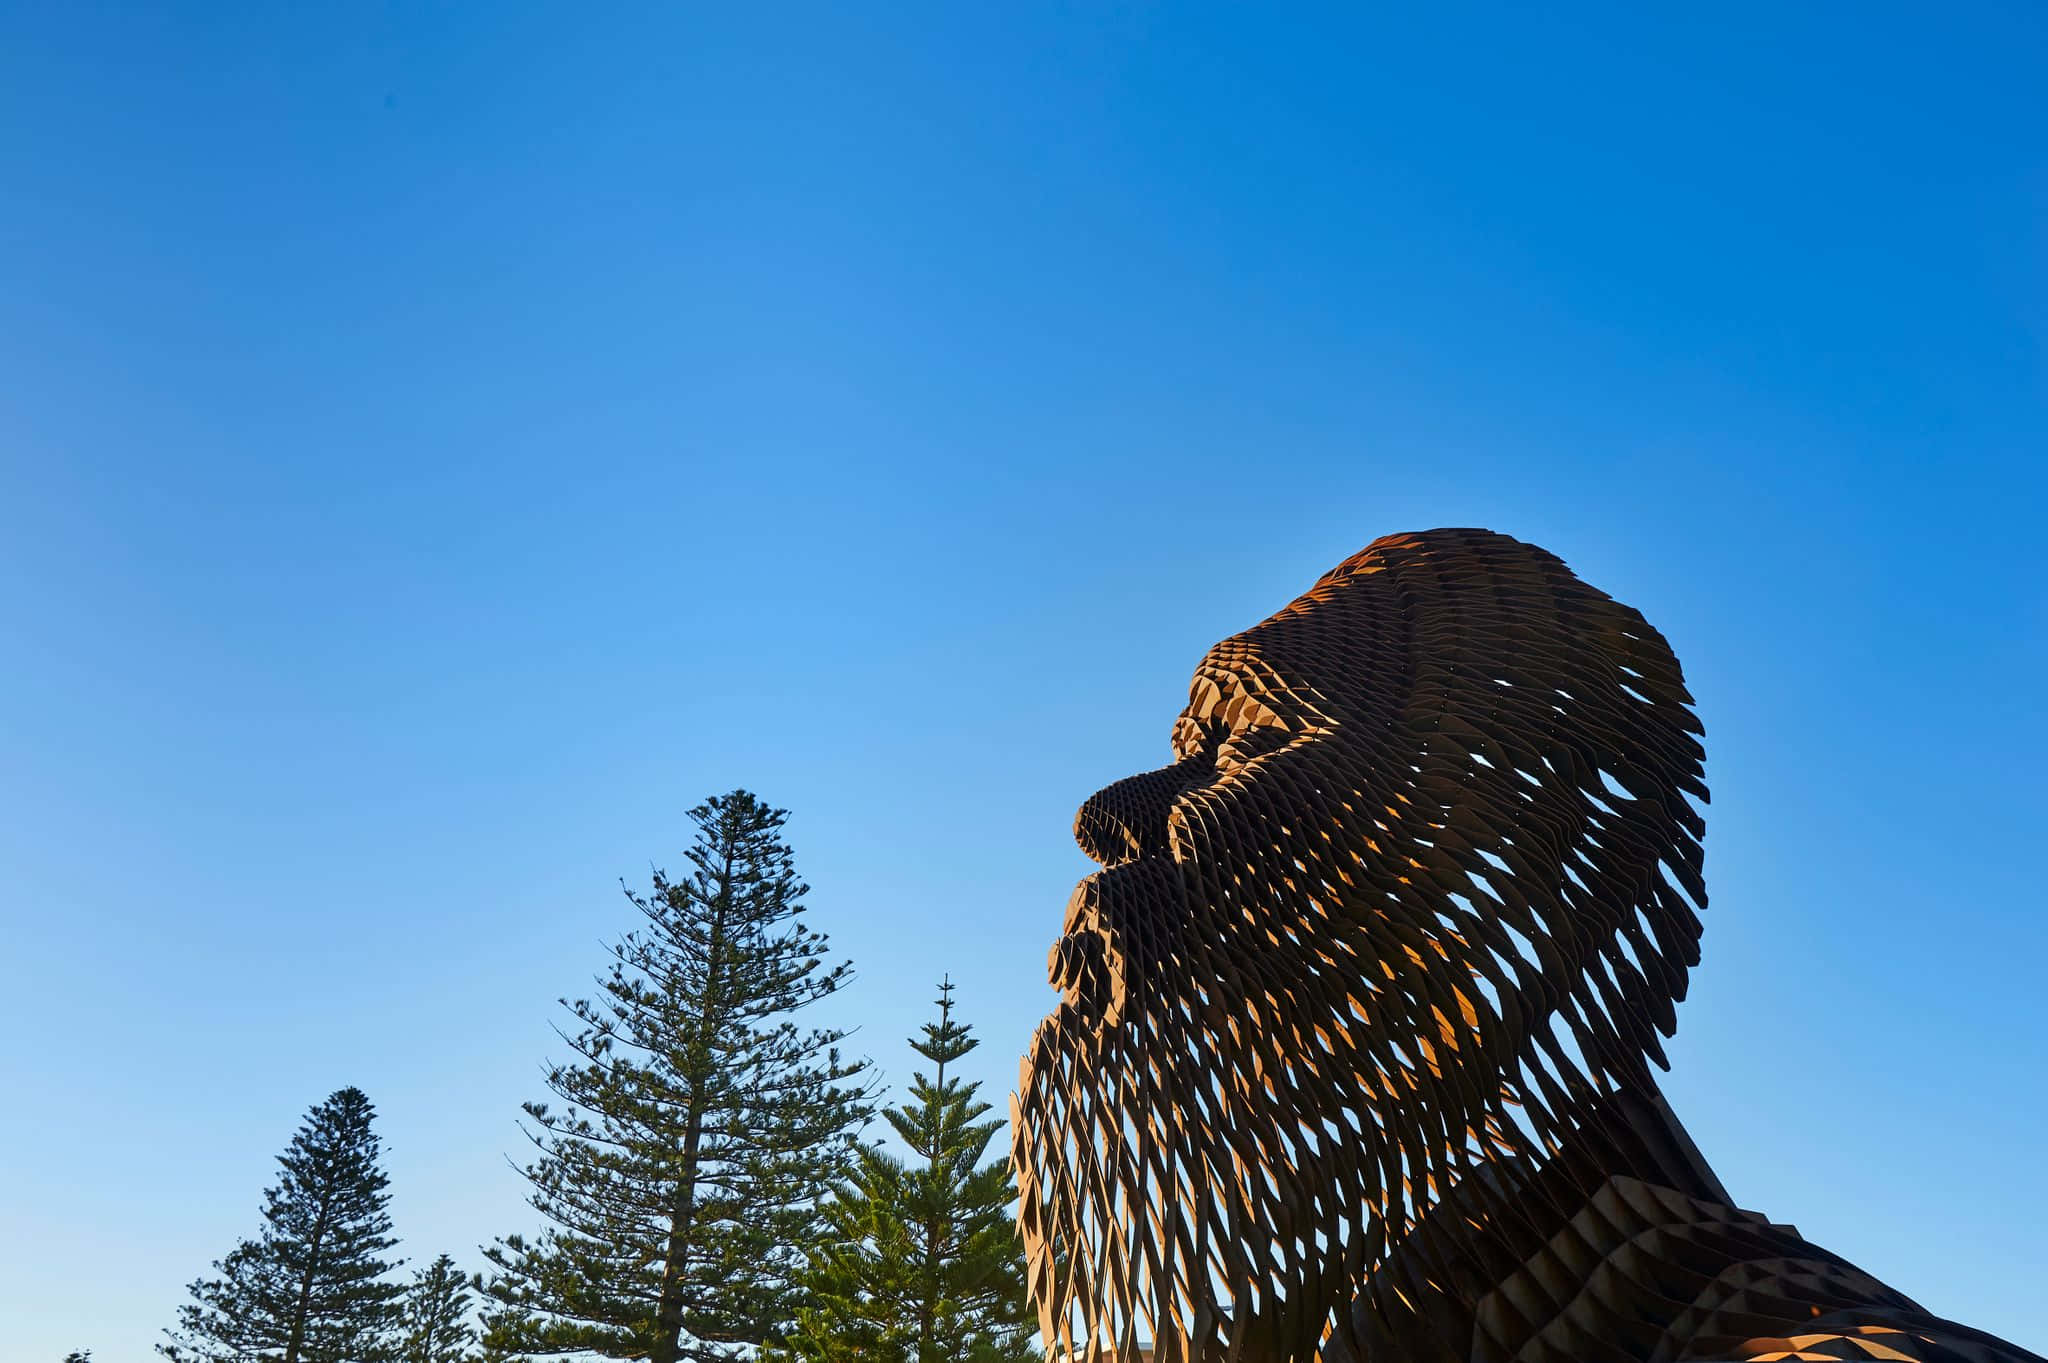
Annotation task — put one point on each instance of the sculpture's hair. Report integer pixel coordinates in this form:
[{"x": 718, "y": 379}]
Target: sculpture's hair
[{"x": 1413, "y": 898}]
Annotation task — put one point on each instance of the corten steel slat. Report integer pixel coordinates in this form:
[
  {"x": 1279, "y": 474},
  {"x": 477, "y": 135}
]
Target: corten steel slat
[{"x": 1353, "y": 1060}]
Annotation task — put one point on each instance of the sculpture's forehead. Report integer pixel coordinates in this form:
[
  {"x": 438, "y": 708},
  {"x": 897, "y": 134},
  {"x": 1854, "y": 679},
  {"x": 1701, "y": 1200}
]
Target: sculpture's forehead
[
  {"x": 1310, "y": 636},
  {"x": 1244, "y": 661}
]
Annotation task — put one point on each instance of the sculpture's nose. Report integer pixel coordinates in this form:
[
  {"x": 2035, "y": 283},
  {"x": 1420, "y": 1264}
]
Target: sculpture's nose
[{"x": 1126, "y": 820}]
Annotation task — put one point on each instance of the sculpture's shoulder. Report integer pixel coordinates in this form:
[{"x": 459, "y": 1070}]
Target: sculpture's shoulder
[
  {"x": 1889, "y": 1336},
  {"x": 1647, "y": 1272}
]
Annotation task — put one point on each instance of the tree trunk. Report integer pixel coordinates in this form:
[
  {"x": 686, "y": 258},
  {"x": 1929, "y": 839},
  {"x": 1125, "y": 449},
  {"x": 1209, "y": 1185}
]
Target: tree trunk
[
  {"x": 668, "y": 1311},
  {"x": 928, "y": 1309},
  {"x": 295, "y": 1345}
]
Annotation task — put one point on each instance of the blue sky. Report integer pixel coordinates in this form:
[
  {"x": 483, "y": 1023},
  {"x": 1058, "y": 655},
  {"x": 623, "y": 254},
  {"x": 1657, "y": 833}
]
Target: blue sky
[{"x": 441, "y": 444}]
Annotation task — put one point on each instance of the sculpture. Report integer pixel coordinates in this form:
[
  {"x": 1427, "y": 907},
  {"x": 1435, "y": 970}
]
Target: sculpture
[{"x": 1353, "y": 1058}]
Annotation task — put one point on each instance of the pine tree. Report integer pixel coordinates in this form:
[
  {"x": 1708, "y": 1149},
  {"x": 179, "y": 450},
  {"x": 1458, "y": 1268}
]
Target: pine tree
[
  {"x": 434, "y": 1320},
  {"x": 920, "y": 1262},
  {"x": 310, "y": 1288},
  {"x": 701, "y": 1125}
]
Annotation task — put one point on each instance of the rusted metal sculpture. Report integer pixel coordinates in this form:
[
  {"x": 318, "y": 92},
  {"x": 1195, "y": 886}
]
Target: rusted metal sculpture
[{"x": 1353, "y": 1062}]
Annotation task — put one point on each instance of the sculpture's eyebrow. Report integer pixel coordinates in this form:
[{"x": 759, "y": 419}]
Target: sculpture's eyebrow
[
  {"x": 1235, "y": 689},
  {"x": 1238, "y": 669}
]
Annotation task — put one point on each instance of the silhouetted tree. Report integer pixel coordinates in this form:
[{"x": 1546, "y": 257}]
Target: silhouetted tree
[
  {"x": 434, "y": 1324},
  {"x": 920, "y": 1261},
  {"x": 310, "y": 1288},
  {"x": 701, "y": 1124}
]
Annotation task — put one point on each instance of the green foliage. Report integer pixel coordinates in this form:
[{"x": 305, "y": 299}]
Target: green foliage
[
  {"x": 434, "y": 1323},
  {"x": 700, "y": 1125},
  {"x": 920, "y": 1261},
  {"x": 310, "y": 1289}
]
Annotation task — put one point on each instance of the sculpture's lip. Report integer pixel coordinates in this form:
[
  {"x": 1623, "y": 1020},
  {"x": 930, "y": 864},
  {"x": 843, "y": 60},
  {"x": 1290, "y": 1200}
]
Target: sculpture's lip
[
  {"x": 1078, "y": 963},
  {"x": 1089, "y": 964}
]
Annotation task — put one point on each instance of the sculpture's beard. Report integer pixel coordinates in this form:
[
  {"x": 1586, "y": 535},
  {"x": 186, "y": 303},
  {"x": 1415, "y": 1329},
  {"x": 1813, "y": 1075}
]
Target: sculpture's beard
[{"x": 1202, "y": 1135}]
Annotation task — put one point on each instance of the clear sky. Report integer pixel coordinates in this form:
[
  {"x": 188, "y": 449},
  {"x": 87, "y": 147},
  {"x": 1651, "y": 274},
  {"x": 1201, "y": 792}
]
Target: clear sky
[{"x": 439, "y": 444}]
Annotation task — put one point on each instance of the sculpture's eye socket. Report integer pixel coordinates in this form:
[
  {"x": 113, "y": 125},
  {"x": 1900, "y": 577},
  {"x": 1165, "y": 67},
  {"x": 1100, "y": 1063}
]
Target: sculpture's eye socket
[
  {"x": 1226, "y": 724},
  {"x": 1240, "y": 746},
  {"x": 1200, "y": 738}
]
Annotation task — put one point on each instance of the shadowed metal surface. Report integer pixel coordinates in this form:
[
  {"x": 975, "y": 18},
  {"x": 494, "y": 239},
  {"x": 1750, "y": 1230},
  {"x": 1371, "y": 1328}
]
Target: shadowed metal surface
[{"x": 1354, "y": 1051}]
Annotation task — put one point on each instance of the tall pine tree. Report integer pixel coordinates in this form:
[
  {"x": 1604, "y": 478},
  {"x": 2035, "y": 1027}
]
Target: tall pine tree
[
  {"x": 311, "y": 1288},
  {"x": 701, "y": 1125},
  {"x": 920, "y": 1261},
  {"x": 433, "y": 1324}
]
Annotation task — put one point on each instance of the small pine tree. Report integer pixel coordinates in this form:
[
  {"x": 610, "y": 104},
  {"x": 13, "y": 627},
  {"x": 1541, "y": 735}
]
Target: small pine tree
[
  {"x": 920, "y": 1262},
  {"x": 311, "y": 1288},
  {"x": 701, "y": 1128},
  {"x": 434, "y": 1323}
]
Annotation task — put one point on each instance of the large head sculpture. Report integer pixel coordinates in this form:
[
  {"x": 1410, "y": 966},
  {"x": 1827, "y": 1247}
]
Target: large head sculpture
[{"x": 1416, "y": 893}]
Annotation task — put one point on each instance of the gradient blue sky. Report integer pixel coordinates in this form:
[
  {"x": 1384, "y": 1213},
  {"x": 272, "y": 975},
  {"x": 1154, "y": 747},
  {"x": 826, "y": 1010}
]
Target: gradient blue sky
[{"x": 440, "y": 444}]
